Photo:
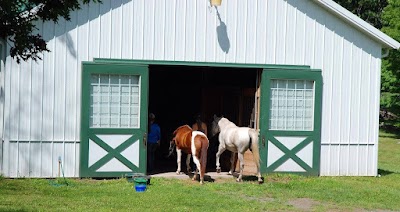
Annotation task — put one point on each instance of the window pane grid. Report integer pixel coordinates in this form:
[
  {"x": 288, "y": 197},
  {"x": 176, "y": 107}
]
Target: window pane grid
[
  {"x": 292, "y": 105},
  {"x": 114, "y": 101}
]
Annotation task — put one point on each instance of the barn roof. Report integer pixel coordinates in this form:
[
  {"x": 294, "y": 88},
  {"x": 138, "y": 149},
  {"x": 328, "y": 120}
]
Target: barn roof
[{"x": 358, "y": 23}]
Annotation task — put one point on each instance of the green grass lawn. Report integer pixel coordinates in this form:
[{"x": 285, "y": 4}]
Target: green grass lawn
[
  {"x": 389, "y": 153},
  {"x": 278, "y": 193}
]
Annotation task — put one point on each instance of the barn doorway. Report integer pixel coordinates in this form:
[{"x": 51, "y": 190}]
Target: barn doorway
[{"x": 178, "y": 93}]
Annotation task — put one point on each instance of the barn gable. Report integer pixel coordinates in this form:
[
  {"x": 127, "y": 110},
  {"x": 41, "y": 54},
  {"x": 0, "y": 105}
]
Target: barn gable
[{"x": 42, "y": 99}]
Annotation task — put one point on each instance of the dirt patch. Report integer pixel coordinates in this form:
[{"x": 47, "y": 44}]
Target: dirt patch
[
  {"x": 250, "y": 198},
  {"x": 303, "y": 204}
]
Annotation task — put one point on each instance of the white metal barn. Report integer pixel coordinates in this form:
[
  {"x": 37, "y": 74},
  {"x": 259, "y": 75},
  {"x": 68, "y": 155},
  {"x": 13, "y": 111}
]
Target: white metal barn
[{"x": 306, "y": 72}]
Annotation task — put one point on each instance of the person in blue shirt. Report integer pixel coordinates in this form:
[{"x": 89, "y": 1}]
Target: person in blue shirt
[{"x": 153, "y": 141}]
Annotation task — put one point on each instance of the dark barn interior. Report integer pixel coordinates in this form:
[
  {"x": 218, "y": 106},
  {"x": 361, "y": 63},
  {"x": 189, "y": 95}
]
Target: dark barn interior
[{"x": 178, "y": 93}]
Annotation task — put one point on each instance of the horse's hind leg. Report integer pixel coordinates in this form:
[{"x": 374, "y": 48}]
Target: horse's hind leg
[
  {"x": 196, "y": 161},
  {"x": 260, "y": 180},
  {"x": 221, "y": 149},
  {"x": 195, "y": 176},
  {"x": 188, "y": 163},
  {"x": 233, "y": 164},
  {"x": 178, "y": 160},
  {"x": 241, "y": 166}
]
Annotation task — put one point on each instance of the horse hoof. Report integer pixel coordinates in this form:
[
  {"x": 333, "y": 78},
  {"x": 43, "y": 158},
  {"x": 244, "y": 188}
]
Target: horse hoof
[
  {"x": 178, "y": 172},
  {"x": 229, "y": 173},
  {"x": 218, "y": 170},
  {"x": 239, "y": 180},
  {"x": 260, "y": 182}
]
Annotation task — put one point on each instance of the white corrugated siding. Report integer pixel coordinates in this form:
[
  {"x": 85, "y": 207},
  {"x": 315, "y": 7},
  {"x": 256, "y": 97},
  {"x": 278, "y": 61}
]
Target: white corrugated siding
[
  {"x": 42, "y": 100},
  {"x": 2, "y": 71}
]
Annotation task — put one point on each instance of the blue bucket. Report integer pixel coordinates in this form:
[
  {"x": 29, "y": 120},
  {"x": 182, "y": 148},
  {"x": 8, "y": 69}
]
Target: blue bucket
[
  {"x": 140, "y": 187},
  {"x": 140, "y": 184}
]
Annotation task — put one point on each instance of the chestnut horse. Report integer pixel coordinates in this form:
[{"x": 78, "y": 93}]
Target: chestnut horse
[{"x": 193, "y": 143}]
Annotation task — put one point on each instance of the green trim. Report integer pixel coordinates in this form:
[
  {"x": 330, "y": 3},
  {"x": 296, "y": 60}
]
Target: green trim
[
  {"x": 317, "y": 122},
  {"x": 290, "y": 133},
  {"x": 111, "y": 130},
  {"x": 207, "y": 64},
  {"x": 84, "y": 144},
  {"x": 107, "y": 174},
  {"x": 289, "y": 154},
  {"x": 113, "y": 153},
  {"x": 297, "y": 173},
  {"x": 311, "y": 136},
  {"x": 89, "y": 68}
]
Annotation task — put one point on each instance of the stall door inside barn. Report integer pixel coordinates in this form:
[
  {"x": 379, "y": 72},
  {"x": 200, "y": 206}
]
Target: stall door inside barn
[
  {"x": 114, "y": 119},
  {"x": 291, "y": 121}
]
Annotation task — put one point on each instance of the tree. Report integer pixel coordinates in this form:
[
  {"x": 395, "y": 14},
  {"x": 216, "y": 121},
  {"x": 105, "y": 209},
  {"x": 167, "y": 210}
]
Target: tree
[
  {"x": 390, "y": 100},
  {"x": 368, "y": 10},
  {"x": 17, "y": 23}
]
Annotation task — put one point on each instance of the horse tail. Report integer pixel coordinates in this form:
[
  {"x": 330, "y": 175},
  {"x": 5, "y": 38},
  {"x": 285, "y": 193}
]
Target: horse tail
[
  {"x": 254, "y": 146},
  {"x": 203, "y": 156}
]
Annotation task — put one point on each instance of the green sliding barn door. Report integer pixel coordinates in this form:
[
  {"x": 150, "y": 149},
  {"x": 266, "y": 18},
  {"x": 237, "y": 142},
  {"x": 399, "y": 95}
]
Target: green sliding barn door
[
  {"x": 113, "y": 119},
  {"x": 290, "y": 121}
]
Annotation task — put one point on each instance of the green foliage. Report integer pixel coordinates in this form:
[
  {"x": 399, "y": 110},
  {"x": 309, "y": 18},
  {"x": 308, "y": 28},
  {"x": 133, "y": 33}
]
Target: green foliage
[
  {"x": 390, "y": 100},
  {"x": 390, "y": 105},
  {"x": 389, "y": 152},
  {"x": 17, "y": 23},
  {"x": 368, "y": 10}
]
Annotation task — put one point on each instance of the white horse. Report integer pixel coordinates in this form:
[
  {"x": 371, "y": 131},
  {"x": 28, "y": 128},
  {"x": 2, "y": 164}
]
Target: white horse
[{"x": 237, "y": 140}]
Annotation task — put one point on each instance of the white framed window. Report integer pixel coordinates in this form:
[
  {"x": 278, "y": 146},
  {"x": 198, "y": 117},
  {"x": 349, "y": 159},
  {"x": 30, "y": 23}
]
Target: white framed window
[
  {"x": 114, "y": 101},
  {"x": 292, "y": 105}
]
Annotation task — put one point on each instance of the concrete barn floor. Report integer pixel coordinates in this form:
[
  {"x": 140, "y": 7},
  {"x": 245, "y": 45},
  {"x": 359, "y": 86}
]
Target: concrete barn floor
[{"x": 170, "y": 172}]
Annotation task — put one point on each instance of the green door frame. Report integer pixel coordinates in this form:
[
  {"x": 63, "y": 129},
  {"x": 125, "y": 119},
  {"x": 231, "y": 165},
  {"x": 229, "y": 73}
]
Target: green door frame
[
  {"x": 269, "y": 135},
  {"x": 88, "y": 133},
  {"x": 203, "y": 64},
  {"x": 281, "y": 71}
]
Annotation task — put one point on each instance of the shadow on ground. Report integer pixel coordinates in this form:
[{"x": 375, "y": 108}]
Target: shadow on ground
[
  {"x": 392, "y": 130},
  {"x": 385, "y": 172}
]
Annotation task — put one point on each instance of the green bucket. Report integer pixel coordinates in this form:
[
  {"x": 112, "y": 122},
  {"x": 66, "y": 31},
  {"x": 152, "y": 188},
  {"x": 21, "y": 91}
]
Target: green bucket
[{"x": 132, "y": 176}]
